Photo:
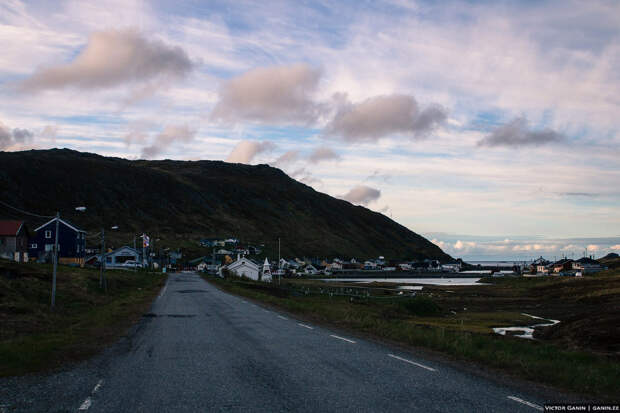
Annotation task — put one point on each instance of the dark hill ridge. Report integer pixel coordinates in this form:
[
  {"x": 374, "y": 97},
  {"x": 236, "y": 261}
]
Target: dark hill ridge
[{"x": 181, "y": 200}]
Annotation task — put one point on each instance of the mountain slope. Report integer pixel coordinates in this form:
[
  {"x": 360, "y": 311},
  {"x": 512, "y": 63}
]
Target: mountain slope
[{"x": 181, "y": 200}]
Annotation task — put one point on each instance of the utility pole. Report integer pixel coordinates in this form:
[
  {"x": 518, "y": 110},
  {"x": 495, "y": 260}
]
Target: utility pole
[
  {"x": 55, "y": 261},
  {"x": 102, "y": 283},
  {"x": 143, "y": 249}
]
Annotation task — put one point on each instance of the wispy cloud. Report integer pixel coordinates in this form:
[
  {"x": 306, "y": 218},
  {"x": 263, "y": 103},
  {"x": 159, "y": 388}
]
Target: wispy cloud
[
  {"x": 322, "y": 154},
  {"x": 362, "y": 194},
  {"x": 245, "y": 151},
  {"x": 517, "y": 133},
  {"x": 381, "y": 116},
  {"x": 16, "y": 136},
  {"x": 169, "y": 135},
  {"x": 277, "y": 94},
  {"x": 287, "y": 158},
  {"x": 112, "y": 58}
]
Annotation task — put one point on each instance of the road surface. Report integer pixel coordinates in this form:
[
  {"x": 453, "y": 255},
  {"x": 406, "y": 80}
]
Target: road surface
[{"x": 203, "y": 350}]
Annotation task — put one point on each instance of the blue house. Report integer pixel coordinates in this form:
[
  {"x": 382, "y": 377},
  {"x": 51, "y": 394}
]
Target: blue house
[{"x": 71, "y": 243}]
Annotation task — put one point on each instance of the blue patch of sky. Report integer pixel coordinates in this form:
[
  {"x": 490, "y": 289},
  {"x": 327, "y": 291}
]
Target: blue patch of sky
[
  {"x": 283, "y": 133},
  {"x": 486, "y": 120},
  {"x": 86, "y": 119}
]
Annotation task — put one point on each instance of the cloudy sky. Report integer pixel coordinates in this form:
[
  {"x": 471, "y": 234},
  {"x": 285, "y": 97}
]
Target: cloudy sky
[{"x": 490, "y": 127}]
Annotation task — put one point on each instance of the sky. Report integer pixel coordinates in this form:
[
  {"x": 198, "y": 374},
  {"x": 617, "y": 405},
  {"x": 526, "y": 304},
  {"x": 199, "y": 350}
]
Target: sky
[{"x": 491, "y": 128}]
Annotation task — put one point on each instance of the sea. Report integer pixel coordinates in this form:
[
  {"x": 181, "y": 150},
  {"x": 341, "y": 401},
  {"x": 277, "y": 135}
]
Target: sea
[
  {"x": 507, "y": 263},
  {"x": 455, "y": 281}
]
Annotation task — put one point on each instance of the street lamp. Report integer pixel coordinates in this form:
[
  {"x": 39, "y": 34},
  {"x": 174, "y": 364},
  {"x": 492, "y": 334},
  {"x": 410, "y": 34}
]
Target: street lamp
[{"x": 55, "y": 257}]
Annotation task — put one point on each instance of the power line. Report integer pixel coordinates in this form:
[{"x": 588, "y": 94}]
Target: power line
[{"x": 26, "y": 212}]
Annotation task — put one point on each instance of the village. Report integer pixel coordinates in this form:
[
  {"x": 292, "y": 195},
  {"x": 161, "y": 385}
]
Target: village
[{"x": 229, "y": 256}]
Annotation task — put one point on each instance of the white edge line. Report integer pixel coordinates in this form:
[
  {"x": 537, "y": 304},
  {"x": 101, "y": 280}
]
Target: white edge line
[
  {"x": 86, "y": 404},
  {"x": 412, "y": 362},
  {"x": 342, "y": 338},
  {"x": 282, "y": 317},
  {"x": 303, "y": 325},
  {"x": 525, "y": 402}
]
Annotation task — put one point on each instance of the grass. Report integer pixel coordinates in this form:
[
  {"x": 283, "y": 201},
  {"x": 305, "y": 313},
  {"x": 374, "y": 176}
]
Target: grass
[
  {"x": 34, "y": 338},
  {"x": 465, "y": 335}
]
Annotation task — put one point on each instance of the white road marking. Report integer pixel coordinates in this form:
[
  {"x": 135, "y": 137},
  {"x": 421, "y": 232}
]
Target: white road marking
[
  {"x": 308, "y": 327},
  {"x": 411, "y": 362},
  {"x": 283, "y": 318},
  {"x": 342, "y": 338},
  {"x": 243, "y": 301},
  {"x": 163, "y": 291},
  {"x": 97, "y": 387},
  {"x": 86, "y": 404},
  {"x": 525, "y": 402}
]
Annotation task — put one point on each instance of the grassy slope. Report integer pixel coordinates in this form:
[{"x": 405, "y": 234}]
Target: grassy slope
[
  {"x": 465, "y": 335},
  {"x": 181, "y": 200},
  {"x": 34, "y": 338}
]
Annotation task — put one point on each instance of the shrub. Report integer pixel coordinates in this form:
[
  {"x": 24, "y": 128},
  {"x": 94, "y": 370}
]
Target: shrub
[{"x": 420, "y": 306}]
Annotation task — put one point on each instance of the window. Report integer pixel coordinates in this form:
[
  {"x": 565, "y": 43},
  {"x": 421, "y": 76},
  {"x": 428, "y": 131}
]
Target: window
[
  {"x": 48, "y": 234},
  {"x": 33, "y": 246},
  {"x": 49, "y": 247}
]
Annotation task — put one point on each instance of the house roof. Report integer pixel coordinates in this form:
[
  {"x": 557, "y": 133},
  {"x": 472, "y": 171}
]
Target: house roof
[
  {"x": 64, "y": 222},
  {"x": 10, "y": 228},
  {"x": 243, "y": 261},
  {"x": 125, "y": 247}
]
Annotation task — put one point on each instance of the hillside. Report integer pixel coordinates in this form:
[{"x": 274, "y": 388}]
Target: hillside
[{"x": 179, "y": 201}]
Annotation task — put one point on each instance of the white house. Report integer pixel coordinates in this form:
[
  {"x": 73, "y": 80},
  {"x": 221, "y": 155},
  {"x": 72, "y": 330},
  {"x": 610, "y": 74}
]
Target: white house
[
  {"x": 121, "y": 255},
  {"x": 450, "y": 267},
  {"x": 244, "y": 267}
]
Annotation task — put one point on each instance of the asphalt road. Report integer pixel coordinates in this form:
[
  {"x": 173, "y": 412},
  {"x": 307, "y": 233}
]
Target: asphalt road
[{"x": 203, "y": 350}]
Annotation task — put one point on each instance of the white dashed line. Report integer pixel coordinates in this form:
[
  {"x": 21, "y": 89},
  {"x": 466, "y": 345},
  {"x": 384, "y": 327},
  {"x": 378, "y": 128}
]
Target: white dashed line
[
  {"x": 411, "y": 362},
  {"x": 342, "y": 338},
  {"x": 97, "y": 387},
  {"x": 303, "y": 325},
  {"x": 163, "y": 291},
  {"x": 88, "y": 402},
  {"x": 243, "y": 301},
  {"x": 525, "y": 402},
  {"x": 85, "y": 405},
  {"x": 283, "y": 318}
]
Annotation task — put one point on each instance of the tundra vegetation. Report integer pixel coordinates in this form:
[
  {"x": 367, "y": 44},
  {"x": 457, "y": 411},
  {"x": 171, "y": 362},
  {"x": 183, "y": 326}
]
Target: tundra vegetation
[{"x": 35, "y": 338}]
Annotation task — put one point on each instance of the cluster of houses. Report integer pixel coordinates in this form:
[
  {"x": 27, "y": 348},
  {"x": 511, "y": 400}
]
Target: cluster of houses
[
  {"x": 230, "y": 247},
  {"x": 565, "y": 266},
  {"x": 19, "y": 243},
  {"x": 244, "y": 266}
]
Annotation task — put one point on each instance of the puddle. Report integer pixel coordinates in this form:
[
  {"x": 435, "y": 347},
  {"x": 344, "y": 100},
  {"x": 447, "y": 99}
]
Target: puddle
[{"x": 525, "y": 331}]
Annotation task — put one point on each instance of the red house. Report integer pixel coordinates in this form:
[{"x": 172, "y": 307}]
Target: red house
[{"x": 14, "y": 240}]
